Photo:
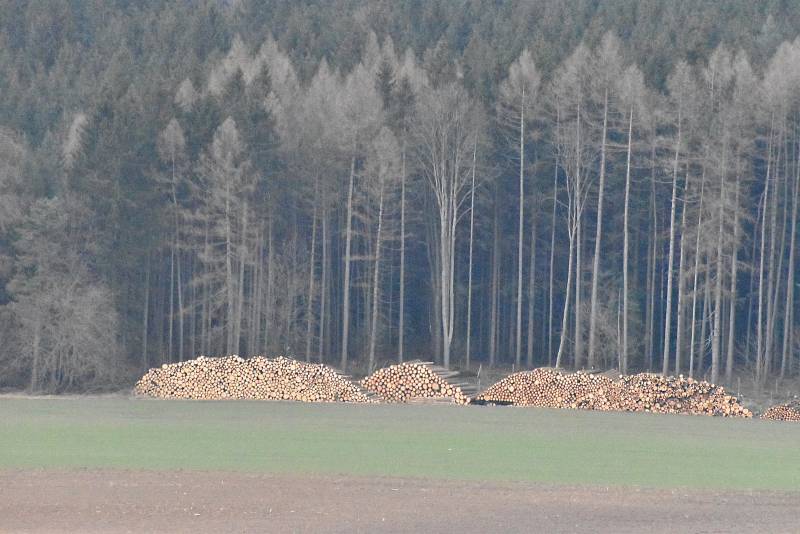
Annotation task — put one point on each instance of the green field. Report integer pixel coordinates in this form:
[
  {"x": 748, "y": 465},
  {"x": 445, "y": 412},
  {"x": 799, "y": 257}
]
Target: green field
[{"x": 439, "y": 441}]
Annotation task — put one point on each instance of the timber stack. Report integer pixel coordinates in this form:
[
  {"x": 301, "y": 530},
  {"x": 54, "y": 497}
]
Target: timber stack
[
  {"x": 783, "y": 412},
  {"x": 413, "y": 382},
  {"x": 647, "y": 392},
  {"x": 550, "y": 388},
  {"x": 644, "y": 392},
  {"x": 257, "y": 378}
]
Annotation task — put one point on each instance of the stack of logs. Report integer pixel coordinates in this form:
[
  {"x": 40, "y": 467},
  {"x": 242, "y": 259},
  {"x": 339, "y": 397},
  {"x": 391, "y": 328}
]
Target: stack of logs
[
  {"x": 413, "y": 381},
  {"x": 635, "y": 393},
  {"x": 647, "y": 392},
  {"x": 260, "y": 378},
  {"x": 783, "y": 412},
  {"x": 550, "y": 388}
]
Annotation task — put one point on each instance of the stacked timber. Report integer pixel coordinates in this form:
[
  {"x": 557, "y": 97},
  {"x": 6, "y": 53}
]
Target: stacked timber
[
  {"x": 647, "y": 392},
  {"x": 258, "y": 378},
  {"x": 551, "y": 388},
  {"x": 644, "y": 392},
  {"x": 783, "y": 412},
  {"x": 413, "y": 382}
]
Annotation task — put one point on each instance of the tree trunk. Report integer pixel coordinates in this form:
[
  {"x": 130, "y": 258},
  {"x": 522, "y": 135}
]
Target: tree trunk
[
  {"x": 531, "y": 289},
  {"x": 311, "y": 279},
  {"x": 565, "y": 315},
  {"x": 146, "y": 315},
  {"x": 495, "y": 283},
  {"x": 268, "y": 308},
  {"x": 717, "y": 336},
  {"x": 36, "y": 353},
  {"x": 652, "y": 259},
  {"x": 679, "y": 327},
  {"x": 670, "y": 260},
  {"x": 171, "y": 300},
  {"x": 323, "y": 286},
  {"x": 471, "y": 242},
  {"x": 521, "y": 210},
  {"x": 734, "y": 268},
  {"x": 347, "y": 259},
  {"x": 375, "y": 286},
  {"x": 402, "y": 312},
  {"x": 623, "y": 367},
  {"x": 696, "y": 273},
  {"x": 578, "y": 247},
  {"x": 237, "y": 336},
  {"x": 551, "y": 267},
  {"x": 599, "y": 231},
  {"x": 761, "y": 266},
  {"x": 706, "y": 320},
  {"x": 788, "y": 327}
]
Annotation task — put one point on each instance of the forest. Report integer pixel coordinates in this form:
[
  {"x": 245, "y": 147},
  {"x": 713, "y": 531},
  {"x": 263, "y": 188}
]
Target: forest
[{"x": 579, "y": 184}]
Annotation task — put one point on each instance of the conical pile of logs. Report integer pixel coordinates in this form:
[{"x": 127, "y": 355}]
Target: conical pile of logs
[
  {"x": 550, "y": 388},
  {"x": 413, "y": 381},
  {"x": 644, "y": 392},
  {"x": 783, "y": 412},
  {"x": 259, "y": 378},
  {"x": 648, "y": 392}
]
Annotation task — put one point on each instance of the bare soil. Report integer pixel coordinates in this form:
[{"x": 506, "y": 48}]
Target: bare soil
[{"x": 190, "y": 501}]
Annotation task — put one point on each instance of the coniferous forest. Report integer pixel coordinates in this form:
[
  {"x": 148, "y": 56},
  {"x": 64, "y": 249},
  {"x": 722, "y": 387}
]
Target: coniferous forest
[{"x": 581, "y": 184}]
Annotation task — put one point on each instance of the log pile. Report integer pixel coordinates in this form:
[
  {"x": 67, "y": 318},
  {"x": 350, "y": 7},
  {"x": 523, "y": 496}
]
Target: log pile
[
  {"x": 258, "y": 378},
  {"x": 644, "y": 392},
  {"x": 413, "y": 381},
  {"x": 783, "y": 412},
  {"x": 550, "y": 388},
  {"x": 648, "y": 392}
]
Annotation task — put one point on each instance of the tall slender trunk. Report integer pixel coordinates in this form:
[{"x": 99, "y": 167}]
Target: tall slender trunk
[
  {"x": 268, "y": 305},
  {"x": 679, "y": 327},
  {"x": 772, "y": 273},
  {"x": 193, "y": 336},
  {"x": 229, "y": 326},
  {"x": 671, "y": 258},
  {"x": 717, "y": 336},
  {"x": 205, "y": 346},
  {"x": 180, "y": 303},
  {"x": 751, "y": 283},
  {"x": 578, "y": 247},
  {"x": 171, "y": 301},
  {"x": 706, "y": 319},
  {"x": 376, "y": 285},
  {"x": 696, "y": 272},
  {"x": 788, "y": 326},
  {"x": 237, "y": 336},
  {"x": 36, "y": 353},
  {"x": 551, "y": 268},
  {"x": 565, "y": 315},
  {"x": 552, "y": 251},
  {"x": 599, "y": 232},
  {"x": 531, "y": 289},
  {"x": 652, "y": 260},
  {"x": 177, "y": 253},
  {"x": 623, "y": 367},
  {"x": 734, "y": 269},
  {"x": 521, "y": 210},
  {"x": 347, "y": 259},
  {"x": 761, "y": 266},
  {"x": 495, "y": 283},
  {"x": 146, "y": 314},
  {"x": 781, "y": 252},
  {"x": 471, "y": 243},
  {"x": 402, "y": 312},
  {"x": 323, "y": 287},
  {"x": 311, "y": 278}
]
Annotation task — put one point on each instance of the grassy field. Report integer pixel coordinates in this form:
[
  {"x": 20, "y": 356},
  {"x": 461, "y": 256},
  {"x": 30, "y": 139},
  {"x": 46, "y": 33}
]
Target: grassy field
[{"x": 449, "y": 442}]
